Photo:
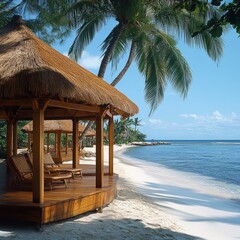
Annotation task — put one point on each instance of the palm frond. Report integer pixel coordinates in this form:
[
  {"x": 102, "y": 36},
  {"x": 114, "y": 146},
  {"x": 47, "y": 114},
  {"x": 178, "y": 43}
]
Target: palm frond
[
  {"x": 161, "y": 61},
  {"x": 151, "y": 65},
  {"x": 84, "y": 10},
  {"x": 85, "y": 35},
  {"x": 120, "y": 49},
  {"x": 183, "y": 24}
]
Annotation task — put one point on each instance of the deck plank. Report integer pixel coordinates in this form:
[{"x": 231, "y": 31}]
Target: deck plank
[{"x": 81, "y": 196}]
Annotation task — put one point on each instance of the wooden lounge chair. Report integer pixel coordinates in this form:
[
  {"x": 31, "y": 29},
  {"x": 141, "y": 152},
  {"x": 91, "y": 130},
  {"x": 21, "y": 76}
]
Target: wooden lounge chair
[
  {"x": 24, "y": 173},
  {"x": 52, "y": 167}
]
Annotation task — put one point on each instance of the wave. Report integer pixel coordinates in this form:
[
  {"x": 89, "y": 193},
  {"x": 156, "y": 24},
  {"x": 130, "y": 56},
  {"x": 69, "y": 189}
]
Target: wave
[{"x": 200, "y": 183}]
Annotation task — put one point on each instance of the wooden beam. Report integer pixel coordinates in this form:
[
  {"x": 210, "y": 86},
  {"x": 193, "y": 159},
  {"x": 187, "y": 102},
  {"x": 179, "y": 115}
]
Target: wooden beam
[
  {"x": 109, "y": 114},
  {"x": 38, "y": 154},
  {"x": 52, "y": 114},
  {"x": 122, "y": 113},
  {"x": 3, "y": 115},
  {"x": 15, "y": 137},
  {"x": 111, "y": 142},
  {"x": 16, "y": 102},
  {"x": 75, "y": 143},
  {"x": 73, "y": 106},
  {"x": 99, "y": 152}
]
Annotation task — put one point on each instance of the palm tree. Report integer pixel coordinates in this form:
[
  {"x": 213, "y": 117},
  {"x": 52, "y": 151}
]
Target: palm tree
[
  {"x": 122, "y": 129},
  {"x": 6, "y": 12},
  {"x": 136, "y": 123},
  {"x": 145, "y": 28}
]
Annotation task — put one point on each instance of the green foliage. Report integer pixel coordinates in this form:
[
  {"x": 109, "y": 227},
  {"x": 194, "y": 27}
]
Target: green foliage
[
  {"x": 125, "y": 131},
  {"x": 7, "y": 10},
  {"x": 229, "y": 15},
  {"x": 3, "y": 138},
  {"x": 22, "y": 137},
  {"x": 46, "y": 18}
]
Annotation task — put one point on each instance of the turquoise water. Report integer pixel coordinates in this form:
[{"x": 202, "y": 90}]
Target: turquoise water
[{"x": 219, "y": 160}]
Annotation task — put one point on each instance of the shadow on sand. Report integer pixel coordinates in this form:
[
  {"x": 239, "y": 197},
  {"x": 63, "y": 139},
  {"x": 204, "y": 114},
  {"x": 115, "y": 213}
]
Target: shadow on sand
[
  {"x": 75, "y": 228},
  {"x": 161, "y": 193}
]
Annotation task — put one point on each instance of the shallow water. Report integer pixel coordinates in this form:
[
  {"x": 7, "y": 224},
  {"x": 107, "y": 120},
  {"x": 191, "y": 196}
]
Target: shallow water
[{"x": 215, "y": 164}]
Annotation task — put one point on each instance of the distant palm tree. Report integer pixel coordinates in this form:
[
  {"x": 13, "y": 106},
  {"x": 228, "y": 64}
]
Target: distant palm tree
[
  {"x": 136, "y": 123},
  {"x": 122, "y": 129}
]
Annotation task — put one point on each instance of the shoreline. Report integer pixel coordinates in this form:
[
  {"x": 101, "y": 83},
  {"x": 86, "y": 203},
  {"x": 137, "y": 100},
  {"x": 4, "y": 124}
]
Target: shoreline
[
  {"x": 200, "y": 213},
  {"x": 150, "y": 205}
]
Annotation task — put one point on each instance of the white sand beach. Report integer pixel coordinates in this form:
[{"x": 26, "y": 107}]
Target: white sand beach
[{"x": 150, "y": 205}]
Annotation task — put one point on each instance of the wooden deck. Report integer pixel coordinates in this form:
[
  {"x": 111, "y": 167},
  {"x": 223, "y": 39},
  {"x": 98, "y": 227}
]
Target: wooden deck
[{"x": 81, "y": 196}]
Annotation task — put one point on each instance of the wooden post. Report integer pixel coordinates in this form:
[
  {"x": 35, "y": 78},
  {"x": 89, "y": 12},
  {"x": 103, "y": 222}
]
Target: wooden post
[
  {"x": 99, "y": 152},
  {"x": 15, "y": 137},
  {"x": 9, "y": 138},
  {"x": 55, "y": 143},
  {"x": 75, "y": 144},
  {"x": 111, "y": 142},
  {"x": 38, "y": 154},
  {"x": 29, "y": 141},
  {"x": 48, "y": 142},
  {"x": 59, "y": 146},
  {"x": 66, "y": 143}
]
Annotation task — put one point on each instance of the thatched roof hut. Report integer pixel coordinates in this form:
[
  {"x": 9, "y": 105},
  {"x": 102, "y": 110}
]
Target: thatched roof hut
[
  {"x": 38, "y": 83},
  {"x": 30, "y": 68},
  {"x": 62, "y": 126},
  {"x": 59, "y": 150}
]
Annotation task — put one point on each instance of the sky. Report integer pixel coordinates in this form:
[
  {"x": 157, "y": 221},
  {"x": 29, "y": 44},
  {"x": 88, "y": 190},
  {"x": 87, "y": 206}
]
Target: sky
[{"x": 211, "y": 110}]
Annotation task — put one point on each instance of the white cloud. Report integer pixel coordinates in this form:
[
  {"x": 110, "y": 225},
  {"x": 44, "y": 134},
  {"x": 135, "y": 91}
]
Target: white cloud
[
  {"x": 194, "y": 116},
  {"x": 88, "y": 61},
  {"x": 194, "y": 126},
  {"x": 154, "y": 121},
  {"x": 234, "y": 116},
  {"x": 216, "y": 116}
]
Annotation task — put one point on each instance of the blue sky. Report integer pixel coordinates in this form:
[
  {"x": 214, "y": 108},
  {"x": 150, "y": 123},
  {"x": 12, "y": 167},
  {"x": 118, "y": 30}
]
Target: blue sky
[{"x": 211, "y": 109}]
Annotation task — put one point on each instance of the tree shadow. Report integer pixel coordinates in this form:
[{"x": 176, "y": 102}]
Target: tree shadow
[{"x": 77, "y": 228}]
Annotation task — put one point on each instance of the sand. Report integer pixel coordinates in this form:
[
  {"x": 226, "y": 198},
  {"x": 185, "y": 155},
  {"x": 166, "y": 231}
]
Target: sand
[{"x": 135, "y": 214}]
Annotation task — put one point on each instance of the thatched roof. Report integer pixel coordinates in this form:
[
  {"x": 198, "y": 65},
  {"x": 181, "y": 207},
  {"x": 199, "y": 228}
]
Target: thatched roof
[
  {"x": 31, "y": 68},
  {"x": 64, "y": 126}
]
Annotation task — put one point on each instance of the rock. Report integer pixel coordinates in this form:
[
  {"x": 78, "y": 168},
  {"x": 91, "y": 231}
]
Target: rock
[{"x": 149, "y": 143}]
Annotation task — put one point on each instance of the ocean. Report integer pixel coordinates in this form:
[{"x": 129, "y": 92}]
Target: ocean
[{"x": 216, "y": 164}]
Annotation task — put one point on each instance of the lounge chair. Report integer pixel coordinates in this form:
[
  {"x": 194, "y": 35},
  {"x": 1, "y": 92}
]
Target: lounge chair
[
  {"x": 24, "y": 173},
  {"x": 52, "y": 167}
]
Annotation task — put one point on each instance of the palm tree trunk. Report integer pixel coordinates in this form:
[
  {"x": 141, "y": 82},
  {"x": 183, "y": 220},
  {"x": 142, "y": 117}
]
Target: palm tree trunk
[
  {"x": 114, "y": 83},
  {"x": 103, "y": 66},
  {"x": 127, "y": 65}
]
